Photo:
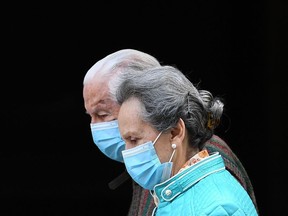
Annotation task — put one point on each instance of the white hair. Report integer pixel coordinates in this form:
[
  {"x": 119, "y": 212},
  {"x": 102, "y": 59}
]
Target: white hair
[{"x": 125, "y": 59}]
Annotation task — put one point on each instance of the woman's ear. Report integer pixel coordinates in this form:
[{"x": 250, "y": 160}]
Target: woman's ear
[{"x": 178, "y": 132}]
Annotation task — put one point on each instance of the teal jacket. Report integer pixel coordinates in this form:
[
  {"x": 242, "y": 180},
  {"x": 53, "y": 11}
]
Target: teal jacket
[{"x": 205, "y": 188}]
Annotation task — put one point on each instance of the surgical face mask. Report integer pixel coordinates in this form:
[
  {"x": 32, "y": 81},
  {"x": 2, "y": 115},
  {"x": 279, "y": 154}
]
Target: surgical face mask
[
  {"x": 144, "y": 166},
  {"x": 107, "y": 138}
]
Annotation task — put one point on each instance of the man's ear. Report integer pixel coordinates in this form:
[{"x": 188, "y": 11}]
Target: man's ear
[{"x": 178, "y": 132}]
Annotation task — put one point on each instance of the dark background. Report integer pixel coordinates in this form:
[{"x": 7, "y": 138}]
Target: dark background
[{"x": 49, "y": 164}]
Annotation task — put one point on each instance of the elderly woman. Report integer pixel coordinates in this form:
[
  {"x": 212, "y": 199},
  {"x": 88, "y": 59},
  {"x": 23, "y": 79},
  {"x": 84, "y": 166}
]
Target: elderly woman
[{"x": 165, "y": 122}]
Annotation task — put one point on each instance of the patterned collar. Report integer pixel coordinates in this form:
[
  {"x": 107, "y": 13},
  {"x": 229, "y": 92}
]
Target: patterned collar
[{"x": 195, "y": 159}]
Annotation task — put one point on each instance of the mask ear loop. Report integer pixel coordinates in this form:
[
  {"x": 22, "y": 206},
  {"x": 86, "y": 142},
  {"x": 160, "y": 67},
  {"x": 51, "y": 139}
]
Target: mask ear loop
[
  {"x": 174, "y": 147},
  {"x": 152, "y": 191},
  {"x": 157, "y": 137}
]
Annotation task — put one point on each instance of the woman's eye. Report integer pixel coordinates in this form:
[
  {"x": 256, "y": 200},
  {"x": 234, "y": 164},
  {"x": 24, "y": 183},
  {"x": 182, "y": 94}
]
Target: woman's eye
[{"x": 131, "y": 140}]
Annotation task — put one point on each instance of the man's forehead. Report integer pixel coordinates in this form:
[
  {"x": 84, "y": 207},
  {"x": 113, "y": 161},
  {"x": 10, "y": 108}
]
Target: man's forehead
[{"x": 107, "y": 103}]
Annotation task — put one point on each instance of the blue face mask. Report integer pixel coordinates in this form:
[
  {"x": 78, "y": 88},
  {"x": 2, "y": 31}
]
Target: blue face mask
[
  {"x": 144, "y": 166},
  {"x": 107, "y": 138}
]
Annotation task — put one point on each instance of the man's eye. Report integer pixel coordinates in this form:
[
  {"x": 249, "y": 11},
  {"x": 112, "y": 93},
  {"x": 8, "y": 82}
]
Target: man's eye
[{"x": 103, "y": 116}]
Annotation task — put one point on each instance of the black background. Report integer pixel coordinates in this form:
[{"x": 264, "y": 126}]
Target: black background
[{"x": 49, "y": 164}]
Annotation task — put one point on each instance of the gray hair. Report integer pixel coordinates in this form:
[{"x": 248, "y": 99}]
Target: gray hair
[
  {"x": 119, "y": 61},
  {"x": 168, "y": 95}
]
